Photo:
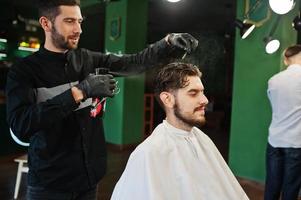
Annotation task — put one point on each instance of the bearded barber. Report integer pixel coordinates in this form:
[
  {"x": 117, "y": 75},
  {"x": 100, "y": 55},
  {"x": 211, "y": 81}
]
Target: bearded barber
[{"x": 49, "y": 101}]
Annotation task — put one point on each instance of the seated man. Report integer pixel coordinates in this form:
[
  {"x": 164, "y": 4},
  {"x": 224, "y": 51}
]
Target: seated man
[{"x": 178, "y": 161}]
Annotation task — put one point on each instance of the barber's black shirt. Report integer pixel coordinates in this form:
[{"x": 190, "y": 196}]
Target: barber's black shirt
[{"x": 67, "y": 146}]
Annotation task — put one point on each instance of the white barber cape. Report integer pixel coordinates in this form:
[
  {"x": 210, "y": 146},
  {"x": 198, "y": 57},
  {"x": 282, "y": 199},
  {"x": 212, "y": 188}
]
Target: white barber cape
[{"x": 172, "y": 164}]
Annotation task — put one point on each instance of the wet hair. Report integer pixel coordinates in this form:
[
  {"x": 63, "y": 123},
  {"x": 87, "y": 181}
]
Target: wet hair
[
  {"x": 50, "y": 8},
  {"x": 292, "y": 50},
  {"x": 173, "y": 77}
]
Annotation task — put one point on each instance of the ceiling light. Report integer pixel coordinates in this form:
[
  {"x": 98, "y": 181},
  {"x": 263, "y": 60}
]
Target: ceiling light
[
  {"x": 271, "y": 45},
  {"x": 281, "y": 6},
  {"x": 244, "y": 27},
  {"x": 173, "y": 1}
]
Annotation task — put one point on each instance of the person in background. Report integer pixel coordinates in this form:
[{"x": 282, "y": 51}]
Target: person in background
[
  {"x": 178, "y": 161},
  {"x": 49, "y": 102},
  {"x": 283, "y": 155}
]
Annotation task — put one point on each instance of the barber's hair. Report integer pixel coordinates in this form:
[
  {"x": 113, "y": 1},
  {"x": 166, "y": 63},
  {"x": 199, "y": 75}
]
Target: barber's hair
[
  {"x": 173, "y": 77},
  {"x": 292, "y": 50},
  {"x": 50, "y": 8}
]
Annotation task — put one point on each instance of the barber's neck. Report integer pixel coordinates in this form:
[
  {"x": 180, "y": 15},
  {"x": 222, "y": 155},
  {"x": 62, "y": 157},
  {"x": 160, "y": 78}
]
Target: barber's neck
[{"x": 51, "y": 47}]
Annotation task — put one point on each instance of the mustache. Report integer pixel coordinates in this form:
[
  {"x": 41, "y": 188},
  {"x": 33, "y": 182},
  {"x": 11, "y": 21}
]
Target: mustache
[
  {"x": 202, "y": 107},
  {"x": 74, "y": 36}
]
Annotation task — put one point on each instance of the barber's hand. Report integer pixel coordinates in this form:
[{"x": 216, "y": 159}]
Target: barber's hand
[
  {"x": 183, "y": 41},
  {"x": 98, "y": 86}
]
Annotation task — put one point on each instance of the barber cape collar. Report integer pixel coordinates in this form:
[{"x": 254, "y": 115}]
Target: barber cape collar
[{"x": 176, "y": 164}]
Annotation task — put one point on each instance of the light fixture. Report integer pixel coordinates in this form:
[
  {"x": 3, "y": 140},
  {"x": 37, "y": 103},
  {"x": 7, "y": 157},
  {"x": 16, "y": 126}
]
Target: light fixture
[
  {"x": 248, "y": 25},
  {"x": 244, "y": 27},
  {"x": 173, "y": 1},
  {"x": 271, "y": 45},
  {"x": 282, "y": 7},
  {"x": 297, "y": 23}
]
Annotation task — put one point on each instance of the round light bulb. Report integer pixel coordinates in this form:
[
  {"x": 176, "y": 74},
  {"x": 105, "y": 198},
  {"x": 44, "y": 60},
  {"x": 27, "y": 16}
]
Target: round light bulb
[
  {"x": 272, "y": 46},
  {"x": 281, "y": 7}
]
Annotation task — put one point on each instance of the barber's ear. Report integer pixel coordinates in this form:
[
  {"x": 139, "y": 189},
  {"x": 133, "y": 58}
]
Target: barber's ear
[
  {"x": 45, "y": 24},
  {"x": 168, "y": 99}
]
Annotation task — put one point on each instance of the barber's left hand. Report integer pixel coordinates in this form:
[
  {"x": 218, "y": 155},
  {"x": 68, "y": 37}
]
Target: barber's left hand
[{"x": 183, "y": 41}]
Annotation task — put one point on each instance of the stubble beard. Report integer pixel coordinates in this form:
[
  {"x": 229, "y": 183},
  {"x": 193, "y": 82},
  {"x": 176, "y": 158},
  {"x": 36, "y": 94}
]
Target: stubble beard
[
  {"x": 60, "y": 42},
  {"x": 186, "y": 120}
]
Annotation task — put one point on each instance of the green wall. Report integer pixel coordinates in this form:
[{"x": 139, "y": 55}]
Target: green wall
[
  {"x": 124, "y": 113},
  {"x": 251, "y": 112}
]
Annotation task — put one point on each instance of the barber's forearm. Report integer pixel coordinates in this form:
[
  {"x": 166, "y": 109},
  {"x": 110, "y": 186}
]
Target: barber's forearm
[
  {"x": 28, "y": 117},
  {"x": 156, "y": 54}
]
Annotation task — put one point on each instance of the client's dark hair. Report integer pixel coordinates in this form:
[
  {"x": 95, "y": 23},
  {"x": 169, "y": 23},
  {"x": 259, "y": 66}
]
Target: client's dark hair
[
  {"x": 174, "y": 76},
  {"x": 292, "y": 50}
]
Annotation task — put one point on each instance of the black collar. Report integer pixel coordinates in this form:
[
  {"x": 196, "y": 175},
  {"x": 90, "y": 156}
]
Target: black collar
[{"x": 51, "y": 55}]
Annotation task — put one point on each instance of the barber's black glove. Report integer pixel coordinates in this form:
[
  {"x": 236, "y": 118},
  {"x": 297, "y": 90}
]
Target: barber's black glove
[
  {"x": 98, "y": 86},
  {"x": 183, "y": 41}
]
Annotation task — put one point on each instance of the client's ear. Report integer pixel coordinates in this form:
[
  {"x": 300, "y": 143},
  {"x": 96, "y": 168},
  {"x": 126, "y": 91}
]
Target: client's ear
[{"x": 167, "y": 99}]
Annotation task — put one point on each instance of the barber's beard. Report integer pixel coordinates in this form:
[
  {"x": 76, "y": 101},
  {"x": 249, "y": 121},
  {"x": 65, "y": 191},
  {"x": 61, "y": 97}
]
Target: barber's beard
[
  {"x": 186, "y": 119},
  {"x": 59, "y": 41}
]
